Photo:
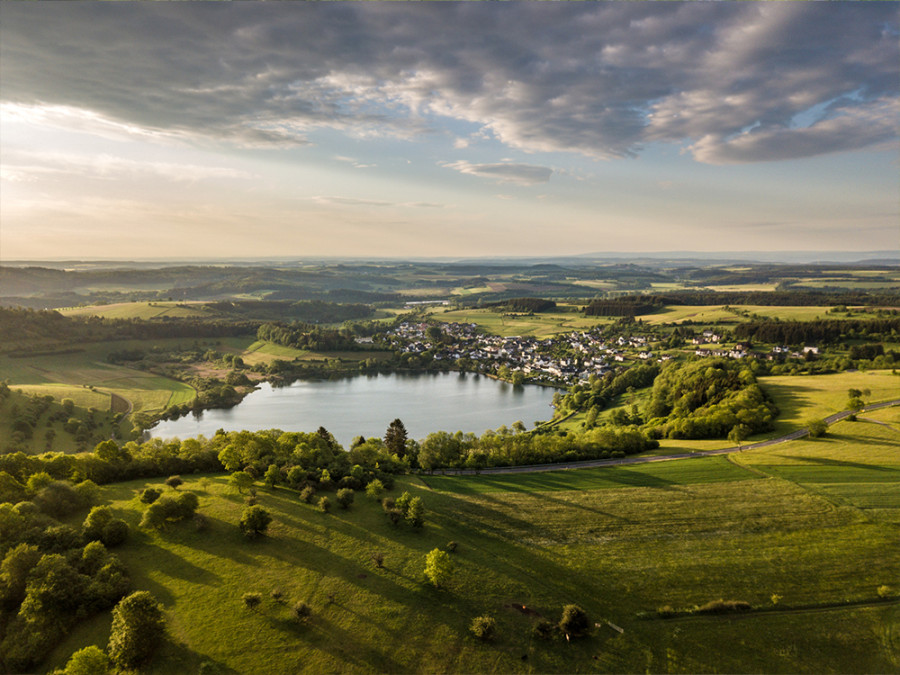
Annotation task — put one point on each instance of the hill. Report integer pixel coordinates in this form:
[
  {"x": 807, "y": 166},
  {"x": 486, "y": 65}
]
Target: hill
[{"x": 804, "y": 532}]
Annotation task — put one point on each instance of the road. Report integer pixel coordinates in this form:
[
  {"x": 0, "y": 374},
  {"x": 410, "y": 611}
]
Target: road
[{"x": 592, "y": 463}]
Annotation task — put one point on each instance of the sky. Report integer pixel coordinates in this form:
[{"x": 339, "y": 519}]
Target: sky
[{"x": 192, "y": 130}]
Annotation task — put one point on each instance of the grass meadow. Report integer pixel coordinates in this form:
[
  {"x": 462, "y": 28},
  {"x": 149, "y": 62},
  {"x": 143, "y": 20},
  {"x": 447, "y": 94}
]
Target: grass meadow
[
  {"x": 542, "y": 325},
  {"x": 814, "y": 522},
  {"x": 143, "y": 310},
  {"x": 802, "y": 398},
  {"x": 70, "y": 375}
]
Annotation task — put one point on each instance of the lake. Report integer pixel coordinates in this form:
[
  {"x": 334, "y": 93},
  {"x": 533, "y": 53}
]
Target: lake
[{"x": 366, "y": 405}]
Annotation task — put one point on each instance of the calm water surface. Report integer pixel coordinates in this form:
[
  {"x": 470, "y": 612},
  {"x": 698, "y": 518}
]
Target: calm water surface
[{"x": 366, "y": 405}]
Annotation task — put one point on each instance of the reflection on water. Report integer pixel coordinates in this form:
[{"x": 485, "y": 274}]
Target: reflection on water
[{"x": 365, "y": 405}]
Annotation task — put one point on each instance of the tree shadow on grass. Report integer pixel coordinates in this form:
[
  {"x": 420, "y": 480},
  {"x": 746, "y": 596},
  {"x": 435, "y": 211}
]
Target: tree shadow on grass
[
  {"x": 310, "y": 556},
  {"x": 182, "y": 659},
  {"x": 220, "y": 539},
  {"x": 324, "y": 635},
  {"x": 825, "y": 461}
]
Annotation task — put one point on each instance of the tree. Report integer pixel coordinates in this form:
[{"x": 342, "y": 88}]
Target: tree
[
  {"x": 272, "y": 476},
  {"x": 14, "y": 571},
  {"x": 402, "y": 503},
  {"x": 254, "y": 521},
  {"x": 88, "y": 661},
  {"x": 174, "y": 482},
  {"x": 345, "y": 497},
  {"x": 738, "y": 434},
  {"x": 395, "y": 438},
  {"x": 240, "y": 480},
  {"x": 574, "y": 621},
  {"x": 415, "y": 515},
  {"x": 98, "y": 518},
  {"x": 375, "y": 489},
  {"x": 137, "y": 630},
  {"x": 817, "y": 428},
  {"x": 438, "y": 567}
]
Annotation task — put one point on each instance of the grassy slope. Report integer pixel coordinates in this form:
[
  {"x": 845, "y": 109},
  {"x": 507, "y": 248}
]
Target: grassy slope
[
  {"x": 801, "y": 398},
  {"x": 545, "y": 324},
  {"x": 616, "y": 541},
  {"x": 142, "y": 310},
  {"x": 145, "y": 390}
]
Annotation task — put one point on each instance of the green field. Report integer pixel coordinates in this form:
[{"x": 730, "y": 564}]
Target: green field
[
  {"x": 82, "y": 396},
  {"x": 142, "y": 310},
  {"x": 543, "y": 325},
  {"x": 712, "y": 313},
  {"x": 810, "y": 521},
  {"x": 64, "y": 374},
  {"x": 266, "y": 352},
  {"x": 802, "y": 398}
]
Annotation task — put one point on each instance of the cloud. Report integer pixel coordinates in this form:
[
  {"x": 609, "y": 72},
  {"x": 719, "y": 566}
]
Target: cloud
[
  {"x": 368, "y": 203},
  {"x": 355, "y": 163},
  {"x": 598, "y": 79},
  {"x": 520, "y": 174},
  {"x": 21, "y": 166}
]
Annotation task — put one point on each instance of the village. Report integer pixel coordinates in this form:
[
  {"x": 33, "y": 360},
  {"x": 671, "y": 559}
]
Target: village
[{"x": 562, "y": 360}]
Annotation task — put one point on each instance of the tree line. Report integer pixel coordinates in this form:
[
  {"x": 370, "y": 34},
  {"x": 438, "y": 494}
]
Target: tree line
[{"x": 808, "y": 332}]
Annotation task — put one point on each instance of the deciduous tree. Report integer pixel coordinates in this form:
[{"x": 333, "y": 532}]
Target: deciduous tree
[{"x": 138, "y": 628}]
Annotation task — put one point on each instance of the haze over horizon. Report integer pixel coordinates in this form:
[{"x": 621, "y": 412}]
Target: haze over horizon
[{"x": 221, "y": 130}]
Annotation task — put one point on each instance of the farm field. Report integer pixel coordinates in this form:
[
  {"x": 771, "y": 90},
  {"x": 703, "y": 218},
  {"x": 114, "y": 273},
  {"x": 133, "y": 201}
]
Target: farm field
[
  {"x": 619, "y": 543},
  {"x": 261, "y": 351},
  {"x": 545, "y": 324},
  {"x": 63, "y": 374},
  {"x": 712, "y": 313},
  {"x": 143, "y": 310},
  {"x": 802, "y": 398}
]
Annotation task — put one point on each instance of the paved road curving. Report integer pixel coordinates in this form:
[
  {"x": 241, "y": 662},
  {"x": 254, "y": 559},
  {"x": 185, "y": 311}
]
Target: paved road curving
[{"x": 591, "y": 463}]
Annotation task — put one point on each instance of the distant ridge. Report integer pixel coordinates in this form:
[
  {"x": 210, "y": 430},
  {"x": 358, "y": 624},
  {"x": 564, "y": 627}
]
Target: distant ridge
[{"x": 889, "y": 257}]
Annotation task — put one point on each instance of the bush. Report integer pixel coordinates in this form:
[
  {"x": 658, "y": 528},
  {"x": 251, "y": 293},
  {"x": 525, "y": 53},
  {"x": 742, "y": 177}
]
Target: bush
[
  {"x": 174, "y": 482},
  {"x": 574, "y": 621},
  {"x": 543, "y": 630},
  {"x": 251, "y": 600},
  {"x": 324, "y": 505},
  {"x": 137, "y": 630},
  {"x": 375, "y": 489},
  {"x": 170, "y": 508},
  {"x": 115, "y": 533},
  {"x": 452, "y": 546},
  {"x": 277, "y": 595},
  {"x": 150, "y": 495},
  {"x": 301, "y": 611},
  {"x": 884, "y": 591},
  {"x": 307, "y": 494},
  {"x": 345, "y": 497},
  {"x": 483, "y": 627},
  {"x": 88, "y": 661}
]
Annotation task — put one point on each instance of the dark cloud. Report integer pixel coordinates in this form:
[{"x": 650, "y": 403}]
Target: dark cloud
[{"x": 601, "y": 79}]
